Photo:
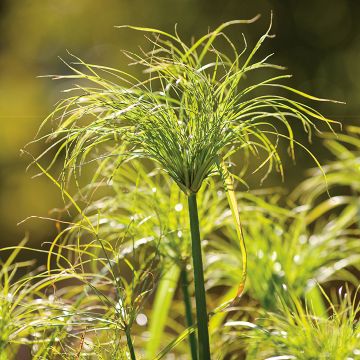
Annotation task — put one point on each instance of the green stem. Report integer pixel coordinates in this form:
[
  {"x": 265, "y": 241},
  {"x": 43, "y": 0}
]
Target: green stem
[
  {"x": 201, "y": 311},
  {"x": 130, "y": 343},
  {"x": 188, "y": 312}
]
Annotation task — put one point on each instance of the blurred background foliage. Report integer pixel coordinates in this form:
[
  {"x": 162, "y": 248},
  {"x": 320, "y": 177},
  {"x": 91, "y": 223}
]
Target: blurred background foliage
[{"x": 318, "y": 42}]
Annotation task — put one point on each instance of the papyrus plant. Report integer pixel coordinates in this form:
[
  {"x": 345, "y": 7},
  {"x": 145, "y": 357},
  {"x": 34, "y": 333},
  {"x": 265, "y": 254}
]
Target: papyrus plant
[
  {"x": 190, "y": 113},
  {"x": 297, "y": 332},
  {"x": 296, "y": 248}
]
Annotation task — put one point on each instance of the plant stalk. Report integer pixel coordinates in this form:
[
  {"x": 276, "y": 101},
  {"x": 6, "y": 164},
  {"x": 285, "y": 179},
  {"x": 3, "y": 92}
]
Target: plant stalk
[
  {"x": 201, "y": 310},
  {"x": 188, "y": 312},
  {"x": 130, "y": 343}
]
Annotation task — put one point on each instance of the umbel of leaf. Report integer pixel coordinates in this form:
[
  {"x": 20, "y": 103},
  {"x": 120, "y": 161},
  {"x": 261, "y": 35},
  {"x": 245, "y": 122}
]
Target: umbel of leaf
[{"x": 191, "y": 111}]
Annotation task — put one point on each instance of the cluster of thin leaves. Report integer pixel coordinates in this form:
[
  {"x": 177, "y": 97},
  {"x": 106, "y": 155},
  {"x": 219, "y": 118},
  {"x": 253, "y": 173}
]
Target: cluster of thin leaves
[
  {"x": 295, "y": 331},
  {"x": 193, "y": 111},
  {"x": 31, "y": 312},
  {"x": 296, "y": 248}
]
